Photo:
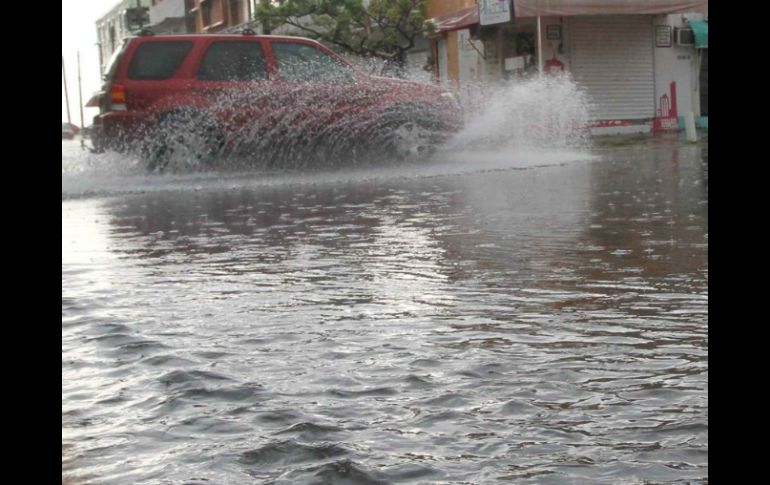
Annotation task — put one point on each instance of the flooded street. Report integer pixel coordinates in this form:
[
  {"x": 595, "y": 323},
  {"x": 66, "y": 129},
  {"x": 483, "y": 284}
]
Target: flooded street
[{"x": 532, "y": 319}]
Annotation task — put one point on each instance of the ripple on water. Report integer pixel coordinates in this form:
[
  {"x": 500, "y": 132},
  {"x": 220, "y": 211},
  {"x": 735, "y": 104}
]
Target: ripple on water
[
  {"x": 374, "y": 392},
  {"x": 280, "y": 453},
  {"x": 343, "y": 472},
  {"x": 310, "y": 430}
]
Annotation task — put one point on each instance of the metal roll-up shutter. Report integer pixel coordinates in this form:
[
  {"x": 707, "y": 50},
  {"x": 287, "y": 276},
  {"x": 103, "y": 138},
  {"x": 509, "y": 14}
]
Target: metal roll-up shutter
[{"x": 611, "y": 57}]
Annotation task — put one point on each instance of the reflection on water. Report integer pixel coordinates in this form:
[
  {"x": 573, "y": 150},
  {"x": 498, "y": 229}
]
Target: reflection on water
[{"x": 546, "y": 325}]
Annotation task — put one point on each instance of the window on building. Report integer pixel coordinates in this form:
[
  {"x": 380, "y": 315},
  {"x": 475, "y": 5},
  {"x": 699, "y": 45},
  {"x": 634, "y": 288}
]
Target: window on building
[
  {"x": 189, "y": 17},
  {"x": 305, "y": 63},
  {"x": 233, "y": 61},
  {"x": 206, "y": 12},
  {"x": 158, "y": 60}
]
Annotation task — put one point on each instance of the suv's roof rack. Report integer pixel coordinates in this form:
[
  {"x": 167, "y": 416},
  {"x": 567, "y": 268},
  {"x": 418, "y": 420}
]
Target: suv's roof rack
[
  {"x": 248, "y": 31},
  {"x": 146, "y": 32}
]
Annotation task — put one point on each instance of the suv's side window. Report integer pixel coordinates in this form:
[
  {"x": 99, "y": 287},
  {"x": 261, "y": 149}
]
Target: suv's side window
[
  {"x": 233, "y": 61},
  {"x": 158, "y": 60},
  {"x": 305, "y": 63}
]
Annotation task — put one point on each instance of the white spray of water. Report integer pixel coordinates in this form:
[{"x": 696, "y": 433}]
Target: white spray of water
[
  {"x": 524, "y": 123},
  {"x": 543, "y": 112}
]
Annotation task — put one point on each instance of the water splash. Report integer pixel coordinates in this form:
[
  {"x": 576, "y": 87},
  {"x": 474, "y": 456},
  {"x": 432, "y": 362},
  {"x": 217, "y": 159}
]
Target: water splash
[
  {"x": 534, "y": 122},
  {"x": 543, "y": 112}
]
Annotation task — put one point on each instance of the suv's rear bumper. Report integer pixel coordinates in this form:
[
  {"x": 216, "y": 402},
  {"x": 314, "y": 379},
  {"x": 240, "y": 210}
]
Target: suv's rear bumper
[{"x": 118, "y": 130}]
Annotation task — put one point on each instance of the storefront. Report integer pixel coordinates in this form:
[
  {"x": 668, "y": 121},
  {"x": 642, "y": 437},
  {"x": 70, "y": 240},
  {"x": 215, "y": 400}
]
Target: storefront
[{"x": 618, "y": 52}]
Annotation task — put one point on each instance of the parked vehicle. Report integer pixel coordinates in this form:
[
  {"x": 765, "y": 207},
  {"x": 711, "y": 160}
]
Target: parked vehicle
[
  {"x": 67, "y": 132},
  {"x": 278, "y": 97}
]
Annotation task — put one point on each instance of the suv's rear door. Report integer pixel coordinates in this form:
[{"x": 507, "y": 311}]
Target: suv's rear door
[
  {"x": 152, "y": 74},
  {"x": 232, "y": 76}
]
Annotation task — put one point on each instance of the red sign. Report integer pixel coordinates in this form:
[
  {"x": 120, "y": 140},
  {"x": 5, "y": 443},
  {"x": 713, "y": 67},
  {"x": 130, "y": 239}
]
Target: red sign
[
  {"x": 553, "y": 65},
  {"x": 667, "y": 113}
]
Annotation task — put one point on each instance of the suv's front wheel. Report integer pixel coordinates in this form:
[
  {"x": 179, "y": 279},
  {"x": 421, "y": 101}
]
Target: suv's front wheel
[{"x": 410, "y": 132}]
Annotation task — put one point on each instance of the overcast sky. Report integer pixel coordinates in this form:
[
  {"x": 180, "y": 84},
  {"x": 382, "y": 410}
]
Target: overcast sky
[{"x": 78, "y": 33}]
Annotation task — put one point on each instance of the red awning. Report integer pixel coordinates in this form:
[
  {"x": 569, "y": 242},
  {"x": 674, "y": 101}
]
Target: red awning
[
  {"x": 458, "y": 20},
  {"x": 559, "y": 8}
]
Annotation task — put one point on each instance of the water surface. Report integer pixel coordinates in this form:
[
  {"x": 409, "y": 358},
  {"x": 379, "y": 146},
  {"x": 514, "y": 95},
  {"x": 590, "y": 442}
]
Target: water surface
[{"x": 537, "y": 318}]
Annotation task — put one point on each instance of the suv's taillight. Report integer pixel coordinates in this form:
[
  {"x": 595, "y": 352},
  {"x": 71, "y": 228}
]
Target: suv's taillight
[{"x": 118, "y": 97}]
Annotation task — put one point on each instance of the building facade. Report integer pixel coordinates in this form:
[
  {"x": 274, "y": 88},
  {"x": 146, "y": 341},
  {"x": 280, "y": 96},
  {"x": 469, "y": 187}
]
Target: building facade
[
  {"x": 129, "y": 17},
  {"x": 124, "y": 19},
  {"x": 644, "y": 64}
]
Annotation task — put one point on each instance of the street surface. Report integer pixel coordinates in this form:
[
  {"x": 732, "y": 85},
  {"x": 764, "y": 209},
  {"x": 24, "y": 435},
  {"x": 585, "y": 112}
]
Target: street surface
[{"x": 531, "y": 318}]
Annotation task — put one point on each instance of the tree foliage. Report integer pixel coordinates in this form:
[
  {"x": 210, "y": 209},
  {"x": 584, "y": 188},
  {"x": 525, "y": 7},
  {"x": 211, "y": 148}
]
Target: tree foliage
[{"x": 382, "y": 28}]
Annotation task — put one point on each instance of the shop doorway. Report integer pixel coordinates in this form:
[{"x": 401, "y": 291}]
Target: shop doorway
[{"x": 519, "y": 52}]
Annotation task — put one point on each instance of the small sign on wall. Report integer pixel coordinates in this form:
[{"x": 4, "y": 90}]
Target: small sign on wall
[
  {"x": 494, "y": 11},
  {"x": 662, "y": 36},
  {"x": 553, "y": 32},
  {"x": 514, "y": 63}
]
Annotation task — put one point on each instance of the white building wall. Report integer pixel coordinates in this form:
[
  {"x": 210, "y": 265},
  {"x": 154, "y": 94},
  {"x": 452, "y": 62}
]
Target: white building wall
[{"x": 679, "y": 64}]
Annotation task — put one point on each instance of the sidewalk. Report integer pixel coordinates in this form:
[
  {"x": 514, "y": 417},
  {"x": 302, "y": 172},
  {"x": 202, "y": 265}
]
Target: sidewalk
[{"x": 646, "y": 139}]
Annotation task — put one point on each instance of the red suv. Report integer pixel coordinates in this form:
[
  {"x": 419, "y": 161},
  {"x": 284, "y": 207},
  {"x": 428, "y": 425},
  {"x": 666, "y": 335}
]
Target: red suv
[{"x": 194, "y": 98}]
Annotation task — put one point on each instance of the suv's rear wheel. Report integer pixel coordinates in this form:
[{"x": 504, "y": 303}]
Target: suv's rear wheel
[{"x": 182, "y": 141}]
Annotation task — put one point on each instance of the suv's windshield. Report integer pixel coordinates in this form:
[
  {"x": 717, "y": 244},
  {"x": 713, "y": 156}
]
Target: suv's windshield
[{"x": 305, "y": 63}]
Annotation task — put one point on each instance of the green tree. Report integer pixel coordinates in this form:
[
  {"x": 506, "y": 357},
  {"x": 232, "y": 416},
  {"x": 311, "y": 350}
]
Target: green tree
[{"x": 385, "y": 29}]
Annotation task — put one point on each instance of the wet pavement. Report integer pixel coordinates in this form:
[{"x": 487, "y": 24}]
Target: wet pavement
[{"x": 537, "y": 320}]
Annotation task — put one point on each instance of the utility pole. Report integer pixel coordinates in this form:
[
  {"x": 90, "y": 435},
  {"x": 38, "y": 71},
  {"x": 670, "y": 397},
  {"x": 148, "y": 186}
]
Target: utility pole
[
  {"x": 80, "y": 102},
  {"x": 101, "y": 56},
  {"x": 66, "y": 93},
  {"x": 539, "y": 45}
]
